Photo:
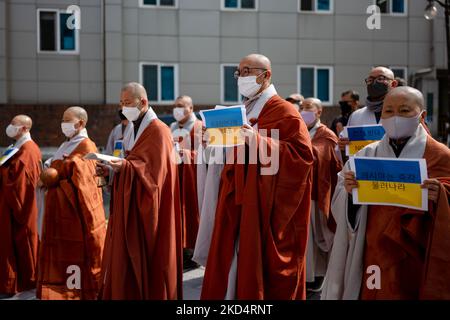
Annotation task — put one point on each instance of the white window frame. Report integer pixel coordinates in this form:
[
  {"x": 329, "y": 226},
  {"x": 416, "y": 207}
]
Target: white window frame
[
  {"x": 405, "y": 70},
  {"x": 158, "y": 5},
  {"x": 315, "y": 11},
  {"x": 222, "y": 84},
  {"x": 159, "y": 65},
  {"x": 239, "y": 7},
  {"x": 58, "y": 34},
  {"x": 330, "y": 81},
  {"x": 394, "y": 14}
]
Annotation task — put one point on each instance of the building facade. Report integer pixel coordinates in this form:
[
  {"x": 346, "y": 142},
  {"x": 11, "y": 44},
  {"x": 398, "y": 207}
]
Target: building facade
[{"x": 317, "y": 47}]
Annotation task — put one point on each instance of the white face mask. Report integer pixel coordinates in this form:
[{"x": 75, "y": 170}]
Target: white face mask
[
  {"x": 68, "y": 129},
  {"x": 248, "y": 87},
  {"x": 131, "y": 113},
  {"x": 400, "y": 127},
  {"x": 309, "y": 117},
  {"x": 12, "y": 131},
  {"x": 178, "y": 114}
]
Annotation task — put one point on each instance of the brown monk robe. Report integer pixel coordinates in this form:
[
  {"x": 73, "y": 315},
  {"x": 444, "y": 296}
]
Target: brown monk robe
[
  {"x": 143, "y": 252},
  {"x": 326, "y": 163},
  {"x": 326, "y": 167},
  {"x": 186, "y": 132},
  {"x": 263, "y": 215},
  {"x": 409, "y": 245},
  {"x": 74, "y": 225},
  {"x": 188, "y": 191},
  {"x": 19, "y": 176}
]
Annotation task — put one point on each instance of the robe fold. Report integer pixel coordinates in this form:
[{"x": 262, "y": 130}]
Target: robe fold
[
  {"x": 143, "y": 248},
  {"x": 74, "y": 229},
  {"x": 322, "y": 226},
  {"x": 264, "y": 217},
  {"x": 18, "y": 220},
  {"x": 187, "y": 174},
  {"x": 411, "y": 247}
]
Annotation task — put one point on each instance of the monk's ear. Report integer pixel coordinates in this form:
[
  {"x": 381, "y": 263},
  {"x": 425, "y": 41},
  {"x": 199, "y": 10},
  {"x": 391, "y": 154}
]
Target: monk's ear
[
  {"x": 394, "y": 84},
  {"x": 423, "y": 116}
]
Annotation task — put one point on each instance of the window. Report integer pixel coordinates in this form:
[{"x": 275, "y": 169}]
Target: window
[
  {"x": 54, "y": 36},
  {"x": 316, "y": 81},
  {"x": 229, "y": 87},
  {"x": 394, "y": 7},
  {"x": 318, "y": 6},
  {"x": 170, "y": 4},
  {"x": 239, "y": 4},
  {"x": 160, "y": 81},
  {"x": 400, "y": 72}
]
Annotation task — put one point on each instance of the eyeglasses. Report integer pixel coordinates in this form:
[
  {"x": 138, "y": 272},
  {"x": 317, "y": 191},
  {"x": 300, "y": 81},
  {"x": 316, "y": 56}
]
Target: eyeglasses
[
  {"x": 245, "y": 72},
  {"x": 379, "y": 79}
]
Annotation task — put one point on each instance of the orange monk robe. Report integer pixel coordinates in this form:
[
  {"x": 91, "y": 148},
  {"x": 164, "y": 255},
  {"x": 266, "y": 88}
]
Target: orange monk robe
[
  {"x": 326, "y": 167},
  {"x": 269, "y": 214},
  {"x": 412, "y": 248},
  {"x": 322, "y": 226},
  {"x": 187, "y": 174},
  {"x": 74, "y": 229},
  {"x": 18, "y": 220},
  {"x": 143, "y": 248}
]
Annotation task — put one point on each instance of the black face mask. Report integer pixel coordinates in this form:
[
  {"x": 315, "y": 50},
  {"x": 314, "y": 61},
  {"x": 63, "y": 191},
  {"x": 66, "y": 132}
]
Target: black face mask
[
  {"x": 122, "y": 117},
  {"x": 377, "y": 90},
  {"x": 346, "y": 108}
]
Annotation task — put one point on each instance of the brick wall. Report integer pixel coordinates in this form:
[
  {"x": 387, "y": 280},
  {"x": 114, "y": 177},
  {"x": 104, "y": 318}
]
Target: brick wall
[{"x": 46, "y": 129}]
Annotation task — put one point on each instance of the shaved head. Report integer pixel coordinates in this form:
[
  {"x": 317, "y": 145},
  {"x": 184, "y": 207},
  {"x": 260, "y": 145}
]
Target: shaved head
[
  {"x": 312, "y": 105},
  {"x": 258, "y": 66},
  {"x": 313, "y": 102},
  {"x": 136, "y": 90},
  {"x": 186, "y": 101},
  {"x": 382, "y": 71},
  {"x": 22, "y": 120},
  {"x": 409, "y": 95},
  {"x": 258, "y": 60},
  {"x": 77, "y": 113},
  {"x": 133, "y": 94}
]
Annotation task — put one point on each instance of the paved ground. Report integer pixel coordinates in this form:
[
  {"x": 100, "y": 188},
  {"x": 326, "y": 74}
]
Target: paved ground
[{"x": 192, "y": 287}]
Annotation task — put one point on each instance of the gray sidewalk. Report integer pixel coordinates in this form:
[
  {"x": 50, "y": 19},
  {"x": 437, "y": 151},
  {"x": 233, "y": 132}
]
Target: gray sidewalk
[{"x": 192, "y": 286}]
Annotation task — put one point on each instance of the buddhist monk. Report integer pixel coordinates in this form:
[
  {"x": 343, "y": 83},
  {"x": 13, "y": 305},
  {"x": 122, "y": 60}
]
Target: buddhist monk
[
  {"x": 297, "y": 100},
  {"x": 74, "y": 225},
  {"x": 379, "y": 82},
  {"x": 326, "y": 167},
  {"x": 185, "y": 138},
  {"x": 20, "y": 167},
  {"x": 143, "y": 249},
  {"x": 409, "y": 248},
  {"x": 258, "y": 243}
]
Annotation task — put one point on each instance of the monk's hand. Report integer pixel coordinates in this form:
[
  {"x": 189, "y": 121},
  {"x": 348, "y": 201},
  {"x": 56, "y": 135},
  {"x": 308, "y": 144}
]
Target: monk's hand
[
  {"x": 433, "y": 186},
  {"x": 102, "y": 170},
  {"x": 350, "y": 182},
  {"x": 248, "y": 133},
  {"x": 116, "y": 165},
  {"x": 40, "y": 184},
  {"x": 343, "y": 142}
]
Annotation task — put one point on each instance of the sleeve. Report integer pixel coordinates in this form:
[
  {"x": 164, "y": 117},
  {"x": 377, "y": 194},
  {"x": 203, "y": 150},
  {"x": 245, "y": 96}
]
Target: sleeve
[{"x": 20, "y": 192}]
